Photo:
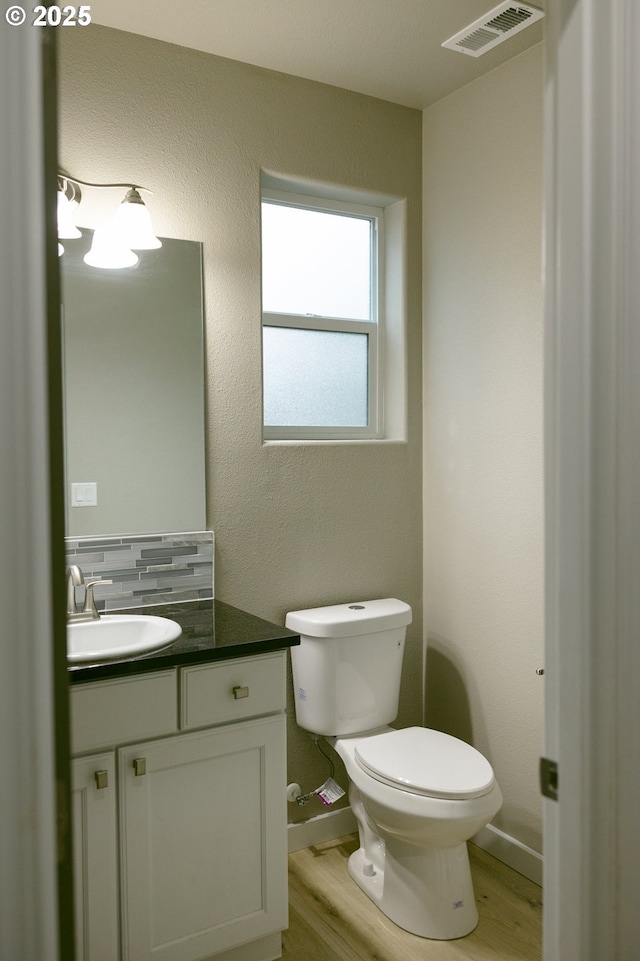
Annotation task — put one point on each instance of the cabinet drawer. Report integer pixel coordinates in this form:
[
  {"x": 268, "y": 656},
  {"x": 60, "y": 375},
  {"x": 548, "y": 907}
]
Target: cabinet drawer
[
  {"x": 107, "y": 713},
  {"x": 228, "y": 691}
]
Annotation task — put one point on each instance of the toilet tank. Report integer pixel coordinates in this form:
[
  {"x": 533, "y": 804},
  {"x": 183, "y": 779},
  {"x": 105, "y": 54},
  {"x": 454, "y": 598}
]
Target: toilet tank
[{"x": 347, "y": 668}]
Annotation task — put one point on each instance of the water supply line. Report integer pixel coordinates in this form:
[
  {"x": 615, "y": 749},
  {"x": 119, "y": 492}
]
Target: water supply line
[{"x": 328, "y": 792}]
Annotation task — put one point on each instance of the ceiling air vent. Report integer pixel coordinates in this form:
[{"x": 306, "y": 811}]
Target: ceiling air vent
[{"x": 495, "y": 27}]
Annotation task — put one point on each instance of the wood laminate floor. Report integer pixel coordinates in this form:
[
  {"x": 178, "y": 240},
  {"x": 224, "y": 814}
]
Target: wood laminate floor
[{"x": 331, "y": 919}]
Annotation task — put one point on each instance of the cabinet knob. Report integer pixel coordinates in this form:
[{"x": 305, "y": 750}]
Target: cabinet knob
[
  {"x": 102, "y": 780},
  {"x": 140, "y": 766},
  {"x": 239, "y": 692}
]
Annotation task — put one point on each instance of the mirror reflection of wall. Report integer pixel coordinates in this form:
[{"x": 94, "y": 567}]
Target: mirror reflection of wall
[{"x": 134, "y": 391}]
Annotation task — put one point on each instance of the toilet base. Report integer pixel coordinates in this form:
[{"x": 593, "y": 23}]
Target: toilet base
[{"x": 427, "y": 891}]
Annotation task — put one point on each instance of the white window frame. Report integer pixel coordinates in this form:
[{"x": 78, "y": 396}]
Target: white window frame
[{"x": 372, "y": 328}]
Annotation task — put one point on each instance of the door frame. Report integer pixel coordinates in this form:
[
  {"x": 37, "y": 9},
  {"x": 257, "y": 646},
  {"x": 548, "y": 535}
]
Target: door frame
[
  {"x": 592, "y": 479},
  {"x": 35, "y": 864}
]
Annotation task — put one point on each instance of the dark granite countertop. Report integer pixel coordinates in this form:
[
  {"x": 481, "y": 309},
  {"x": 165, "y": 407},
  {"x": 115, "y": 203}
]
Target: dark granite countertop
[{"x": 211, "y": 631}]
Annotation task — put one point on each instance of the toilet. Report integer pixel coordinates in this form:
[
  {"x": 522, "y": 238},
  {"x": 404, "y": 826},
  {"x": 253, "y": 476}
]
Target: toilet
[{"x": 418, "y": 795}]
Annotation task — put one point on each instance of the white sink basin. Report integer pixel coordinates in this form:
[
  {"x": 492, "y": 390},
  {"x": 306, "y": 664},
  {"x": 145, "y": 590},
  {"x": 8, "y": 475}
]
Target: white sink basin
[{"x": 115, "y": 636}]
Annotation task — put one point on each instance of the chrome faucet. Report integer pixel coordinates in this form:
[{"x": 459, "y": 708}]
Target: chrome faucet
[{"x": 75, "y": 578}]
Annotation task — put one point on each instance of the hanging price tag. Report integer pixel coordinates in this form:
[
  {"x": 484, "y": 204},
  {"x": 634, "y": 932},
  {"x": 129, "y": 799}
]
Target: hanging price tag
[{"x": 330, "y": 792}]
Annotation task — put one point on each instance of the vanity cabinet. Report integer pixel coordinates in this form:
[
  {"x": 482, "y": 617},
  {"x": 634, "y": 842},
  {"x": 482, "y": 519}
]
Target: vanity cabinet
[
  {"x": 95, "y": 856},
  {"x": 196, "y": 817}
]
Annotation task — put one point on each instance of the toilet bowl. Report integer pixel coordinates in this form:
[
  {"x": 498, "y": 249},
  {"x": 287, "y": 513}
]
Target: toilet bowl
[
  {"x": 412, "y": 860},
  {"x": 418, "y": 795}
]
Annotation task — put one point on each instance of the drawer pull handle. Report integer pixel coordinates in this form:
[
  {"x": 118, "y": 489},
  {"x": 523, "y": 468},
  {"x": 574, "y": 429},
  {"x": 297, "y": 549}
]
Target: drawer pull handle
[
  {"x": 239, "y": 692},
  {"x": 102, "y": 780},
  {"x": 140, "y": 766}
]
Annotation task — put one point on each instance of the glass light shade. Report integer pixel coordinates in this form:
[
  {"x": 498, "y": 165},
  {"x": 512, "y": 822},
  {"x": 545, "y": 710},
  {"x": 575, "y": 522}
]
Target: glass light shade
[
  {"x": 67, "y": 230},
  {"x": 108, "y": 251},
  {"x": 133, "y": 222},
  {"x": 60, "y": 250}
]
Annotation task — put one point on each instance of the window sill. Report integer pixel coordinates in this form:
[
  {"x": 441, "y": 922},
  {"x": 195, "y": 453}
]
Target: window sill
[{"x": 334, "y": 441}]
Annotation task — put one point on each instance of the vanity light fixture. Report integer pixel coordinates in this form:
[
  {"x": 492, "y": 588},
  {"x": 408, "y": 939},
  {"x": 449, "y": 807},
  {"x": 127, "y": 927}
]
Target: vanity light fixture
[
  {"x": 68, "y": 199},
  {"x": 134, "y": 222},
  {"x": 113, "y": 243},
  {"x": 108, "y": 250}
]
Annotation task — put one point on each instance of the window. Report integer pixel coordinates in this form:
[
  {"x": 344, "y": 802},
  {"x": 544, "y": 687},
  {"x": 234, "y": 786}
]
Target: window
[{"x": 322, "y": 318}]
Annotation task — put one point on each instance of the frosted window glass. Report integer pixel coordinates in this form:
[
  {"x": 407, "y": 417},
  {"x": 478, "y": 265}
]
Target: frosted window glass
[
  {"x": 314, "y": 378},
  {"x": 315, "y": 262}
]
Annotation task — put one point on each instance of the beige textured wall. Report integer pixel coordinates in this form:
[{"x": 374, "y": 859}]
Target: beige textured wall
[
  {"x": 296, "y": 525},
  {"x": 483, "y": 426}
]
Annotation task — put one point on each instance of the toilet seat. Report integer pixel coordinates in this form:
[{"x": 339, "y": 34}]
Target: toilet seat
[{"x": 426, "y": 762}]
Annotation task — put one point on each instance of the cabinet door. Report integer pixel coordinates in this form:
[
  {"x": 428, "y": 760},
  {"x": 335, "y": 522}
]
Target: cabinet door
[
  {"x": 203, "y": 835},
  {"x": 95, "y": 857}
]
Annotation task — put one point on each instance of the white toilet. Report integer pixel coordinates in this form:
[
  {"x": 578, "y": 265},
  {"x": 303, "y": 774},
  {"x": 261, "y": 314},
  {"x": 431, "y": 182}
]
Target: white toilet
[{"x": 417, "y": 794}]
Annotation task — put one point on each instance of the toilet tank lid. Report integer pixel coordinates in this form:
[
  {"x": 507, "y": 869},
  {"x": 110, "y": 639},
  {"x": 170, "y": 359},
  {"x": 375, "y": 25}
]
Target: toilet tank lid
[{"x": 347, "y": 620}]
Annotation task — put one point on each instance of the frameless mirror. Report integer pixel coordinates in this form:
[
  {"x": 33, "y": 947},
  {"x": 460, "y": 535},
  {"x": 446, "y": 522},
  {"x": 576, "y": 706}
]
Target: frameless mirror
[{"x": 134, "y": 391}]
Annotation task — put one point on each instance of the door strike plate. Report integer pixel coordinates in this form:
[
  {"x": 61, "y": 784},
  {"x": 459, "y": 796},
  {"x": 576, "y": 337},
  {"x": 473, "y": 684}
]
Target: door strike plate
[{"x": 549, "y": 778}]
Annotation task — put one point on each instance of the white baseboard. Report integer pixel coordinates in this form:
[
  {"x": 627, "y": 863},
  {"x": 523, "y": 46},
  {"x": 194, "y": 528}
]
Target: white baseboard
[
  {"x": 510, "y": 851},
  {"x": 323, "y": 827},
  {"x": 335, "y": 824}
]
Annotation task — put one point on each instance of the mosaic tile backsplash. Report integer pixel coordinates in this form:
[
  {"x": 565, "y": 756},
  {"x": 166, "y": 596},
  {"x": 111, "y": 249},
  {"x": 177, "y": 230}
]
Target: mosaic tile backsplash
[{"x": 146, "y": 569}]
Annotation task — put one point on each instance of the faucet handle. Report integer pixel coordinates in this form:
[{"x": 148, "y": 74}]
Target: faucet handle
[{"x": 89, "y": 600}]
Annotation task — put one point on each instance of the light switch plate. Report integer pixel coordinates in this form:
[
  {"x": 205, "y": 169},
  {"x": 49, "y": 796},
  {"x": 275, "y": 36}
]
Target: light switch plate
[{"x": 84, "y": 495}]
